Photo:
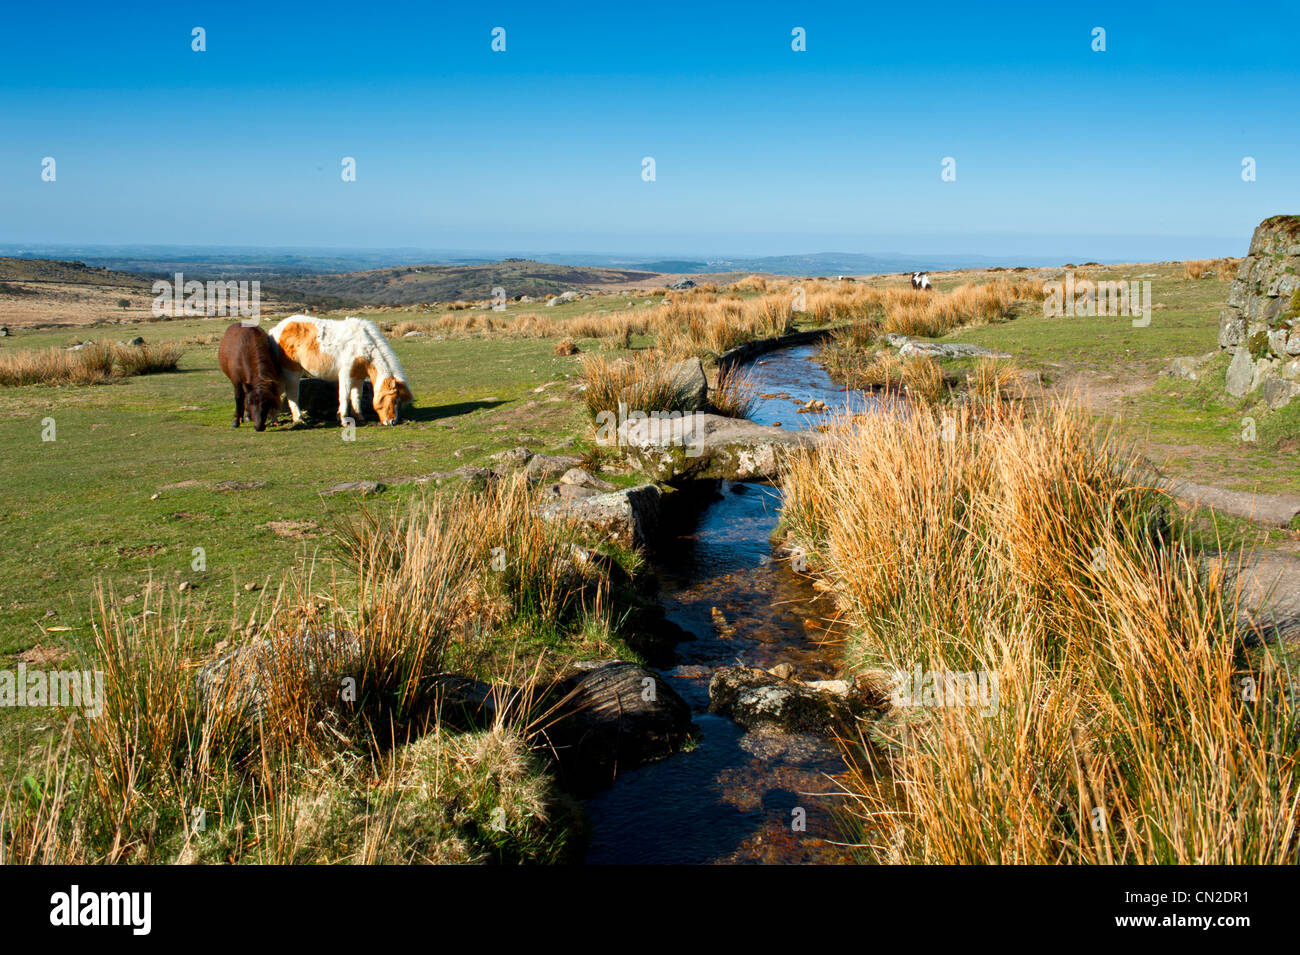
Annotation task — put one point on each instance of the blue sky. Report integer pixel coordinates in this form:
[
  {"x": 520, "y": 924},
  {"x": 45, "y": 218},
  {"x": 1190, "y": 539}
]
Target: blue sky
[{"x": 1135, "y": 152}]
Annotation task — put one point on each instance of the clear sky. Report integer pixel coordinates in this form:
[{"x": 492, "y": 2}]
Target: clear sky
[{"x": 758, "y": 149}]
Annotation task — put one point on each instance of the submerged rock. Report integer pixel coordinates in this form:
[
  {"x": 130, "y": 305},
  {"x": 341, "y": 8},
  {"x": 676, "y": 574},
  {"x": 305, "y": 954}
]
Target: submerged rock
[
  {"x": 610, "y": 717},
  {"x": 753, "y": 697}
]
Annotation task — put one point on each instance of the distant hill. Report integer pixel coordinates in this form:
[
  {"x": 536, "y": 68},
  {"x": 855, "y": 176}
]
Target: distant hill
[
  {"x": 68, "y": 273},
  {"x": 411, "y": 284}
]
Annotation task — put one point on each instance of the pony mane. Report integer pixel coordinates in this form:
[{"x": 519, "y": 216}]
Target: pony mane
[{"x": 383, "y": 356}]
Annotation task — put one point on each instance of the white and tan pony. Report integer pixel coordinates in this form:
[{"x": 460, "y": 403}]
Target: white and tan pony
[{"x": 350, "y": 350}]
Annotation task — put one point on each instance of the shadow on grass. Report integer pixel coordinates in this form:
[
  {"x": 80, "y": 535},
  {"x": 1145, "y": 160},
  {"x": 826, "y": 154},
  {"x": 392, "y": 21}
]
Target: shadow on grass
[
  {"x": 430, "y": 413},
  {"x": 438, "y": 412}
]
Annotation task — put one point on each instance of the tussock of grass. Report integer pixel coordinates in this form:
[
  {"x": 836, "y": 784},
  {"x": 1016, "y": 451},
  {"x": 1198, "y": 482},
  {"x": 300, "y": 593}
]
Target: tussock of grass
[
  {"x": 1224, "y": 269},
  {"x": 282, "y": 763},
  {"x": 96, "y": 363},
  {"x": 735, "y": 394},
  {"x": 446, "y": 799},
  {"x": 711, "y": 328},
  {"x": 643, "y": 382},
  {"x": 995, "y": 378},
  {"x": 1031, "y": 547},
  {"x": 923, "y": 380}
]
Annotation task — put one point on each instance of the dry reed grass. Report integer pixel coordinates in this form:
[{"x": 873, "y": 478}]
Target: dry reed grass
[
  {"x": 1028, "y": 546},
  {"x": 268, "y": 734},
  {"x": 96, "y": 363}
]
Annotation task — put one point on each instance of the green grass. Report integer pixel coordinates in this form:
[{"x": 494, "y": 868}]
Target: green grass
[
  {"x": 86, "y": 507},
  {"x": 1184, "y": 322},
  {"x": 1192, "y": 429},
  {"x": 81, "y": 506}
]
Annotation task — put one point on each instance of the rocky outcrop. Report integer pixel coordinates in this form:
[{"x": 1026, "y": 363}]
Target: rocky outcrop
[
  {"x": 1260, "y": 323},
  {"x": 1188, "y": 367},
  {"x": 704, "y": 446},
  {"x": 546, "y": 467},
  {"x": 355, "y": 487},
  {"x": 752, "y": 697},
  {"x": 606, "y": 718},
  {"x": 629, "y": 517}
]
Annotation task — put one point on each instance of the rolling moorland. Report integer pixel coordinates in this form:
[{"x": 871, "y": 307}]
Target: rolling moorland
[
  {"x": 145, "y": 469},
  {"x": 46, "y": 291}
]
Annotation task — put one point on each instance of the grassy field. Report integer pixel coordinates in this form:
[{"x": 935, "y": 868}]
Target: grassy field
[
  {"x": 147, "y": 490},
  {"x": 144, "y": 471},
  {"x": 130, "y": 485},
  {"x": 1193, "y": 429}
]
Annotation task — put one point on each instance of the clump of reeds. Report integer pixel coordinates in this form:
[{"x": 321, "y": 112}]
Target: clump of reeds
[
  {"x": 995, "y": 378},
  {"x": 735, "y": 394},
  {"x": 1129, "y": 726},
  {"x": 1223, "y": 269},
  {"x": 146, "y": 359},
  {"x": 95, "y": 363},
  {"x": 318, "y": 707},
  {"x": 645, "y": 382},
  {"x": 923, "y": 380}
]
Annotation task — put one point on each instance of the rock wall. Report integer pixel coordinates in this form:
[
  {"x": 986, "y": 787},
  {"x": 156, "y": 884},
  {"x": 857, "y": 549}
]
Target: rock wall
[{"x": 1260, "y": 324}]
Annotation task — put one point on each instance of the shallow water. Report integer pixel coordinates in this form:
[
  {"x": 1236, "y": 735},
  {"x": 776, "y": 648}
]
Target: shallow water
[
  {"x": 733, "y": 798},
  {"x": 789, "y": 378}
]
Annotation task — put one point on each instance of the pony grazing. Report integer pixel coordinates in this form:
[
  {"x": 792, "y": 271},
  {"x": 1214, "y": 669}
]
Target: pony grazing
[
  {"x": 248, "y": 360},
  {"x": 351, "y": 351}
]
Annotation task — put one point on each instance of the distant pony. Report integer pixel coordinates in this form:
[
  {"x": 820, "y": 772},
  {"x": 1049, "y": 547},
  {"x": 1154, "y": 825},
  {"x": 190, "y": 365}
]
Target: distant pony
[
  {"x": 247, "y": 357},
  {"x": 351, "y": 351},
  {"x": 921, "y": 282}
]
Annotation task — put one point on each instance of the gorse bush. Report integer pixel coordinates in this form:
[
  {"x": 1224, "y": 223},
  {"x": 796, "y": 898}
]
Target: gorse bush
[{"x": 993, "y": 539}]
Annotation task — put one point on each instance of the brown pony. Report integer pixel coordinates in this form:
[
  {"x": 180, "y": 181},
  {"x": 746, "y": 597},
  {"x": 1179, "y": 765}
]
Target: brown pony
[{"x": 249, "y": 362}]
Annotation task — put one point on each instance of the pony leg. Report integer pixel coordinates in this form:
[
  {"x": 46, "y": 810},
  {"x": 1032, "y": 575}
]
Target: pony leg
[
  {"x": 345, "y": 385},
  {"x": 239, "y": 405},
  {"x": 290, "y": 381},
  {"x": 355, "y": 396}
]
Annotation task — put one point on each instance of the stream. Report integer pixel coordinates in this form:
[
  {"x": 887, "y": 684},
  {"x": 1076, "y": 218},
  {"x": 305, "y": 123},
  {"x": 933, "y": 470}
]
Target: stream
[{"x": 735, "y": 797}]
